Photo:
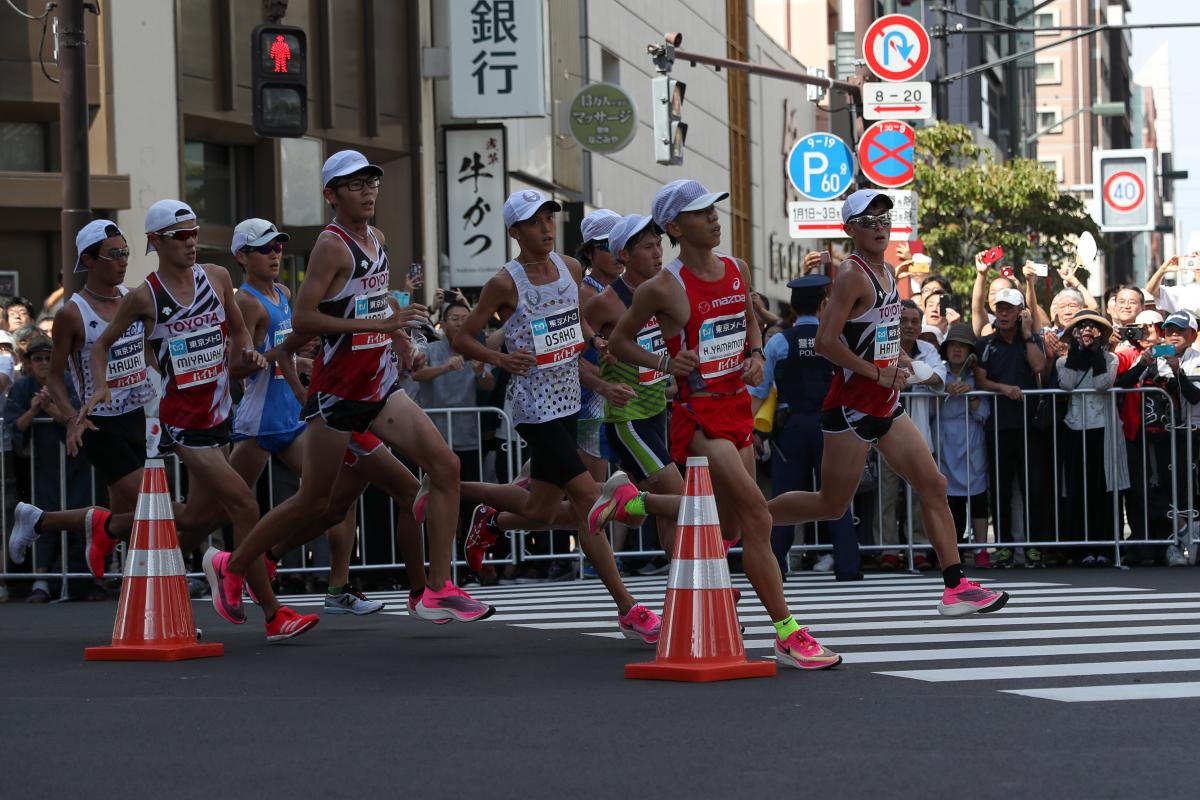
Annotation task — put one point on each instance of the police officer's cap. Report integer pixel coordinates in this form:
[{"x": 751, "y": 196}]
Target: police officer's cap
[{"x": 809, "y": 282}]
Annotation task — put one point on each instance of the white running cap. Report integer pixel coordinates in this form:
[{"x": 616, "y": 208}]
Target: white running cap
[
  {"x": 679, "y": 196},
  {"x": 522, "y": 205},
  {"x": 598, "y": 224},
  {"x": 94, "y": 232},
  {"x": 346, "y": 162},
  {"x": 253, "y": 232}
]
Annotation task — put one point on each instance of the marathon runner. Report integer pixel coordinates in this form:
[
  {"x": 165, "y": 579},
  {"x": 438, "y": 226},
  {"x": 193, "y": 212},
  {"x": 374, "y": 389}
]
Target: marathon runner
[
  {"x": 637, "y": 429},
  {"x": 345, "y": 299},
  {"x": 114, "y": 436},
  {"x": 714, "y": 349},
  {"x": 537, "y": 296},
  {"x": 195, "y": 345},
  {"x": 859, "y": 331}
]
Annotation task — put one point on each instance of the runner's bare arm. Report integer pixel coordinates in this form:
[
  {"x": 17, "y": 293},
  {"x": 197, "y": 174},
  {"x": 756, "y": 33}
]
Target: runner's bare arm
[
  {"x": 577, "y": 273},
  {"x": 752, "y": 372},
  {"x": 499, "y": 296},
  {"x": 68, "y": 336},
  {"x": 603, "y": 311},
  {"x": 136, "y": 305},
  {"x": 243, "y": 355},
  {"x": 648, "y": 300},
  {"x": 254, "y": 317}
]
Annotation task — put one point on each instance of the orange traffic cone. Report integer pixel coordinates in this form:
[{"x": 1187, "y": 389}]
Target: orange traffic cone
[
  {"x": 700, "y": 639},
  {"x": 154, "y": 619}
]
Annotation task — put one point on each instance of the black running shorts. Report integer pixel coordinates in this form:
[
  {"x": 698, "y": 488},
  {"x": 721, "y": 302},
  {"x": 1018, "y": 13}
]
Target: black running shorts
[
  {"x": 866, "y": 427},
  {"x": 118, "y": 445},
  {"x": 553, "y": 454}
]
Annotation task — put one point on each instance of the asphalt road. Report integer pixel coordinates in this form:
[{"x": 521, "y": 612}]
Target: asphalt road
[{"x": 533, "y": 702}]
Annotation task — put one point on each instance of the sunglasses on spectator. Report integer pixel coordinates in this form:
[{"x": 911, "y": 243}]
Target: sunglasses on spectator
[
  {"x": 358, "y": 184},
  {"x": 264, "y": 249},
  {"x": 116, "y": 254},
  {"x": 183, "y": 235},
  {"x": 874, "y": 222}
]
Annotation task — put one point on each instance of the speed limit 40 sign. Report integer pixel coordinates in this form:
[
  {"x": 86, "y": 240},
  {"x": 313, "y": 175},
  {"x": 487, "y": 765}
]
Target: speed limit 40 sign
[{"x": 1124, "y": 189}]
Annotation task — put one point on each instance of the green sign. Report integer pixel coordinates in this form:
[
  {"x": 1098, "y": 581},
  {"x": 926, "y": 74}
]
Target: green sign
[{"x": 603, "y": 118}]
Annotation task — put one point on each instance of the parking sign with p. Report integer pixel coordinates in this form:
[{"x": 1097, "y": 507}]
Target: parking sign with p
[{"x": 821, "y": 166}]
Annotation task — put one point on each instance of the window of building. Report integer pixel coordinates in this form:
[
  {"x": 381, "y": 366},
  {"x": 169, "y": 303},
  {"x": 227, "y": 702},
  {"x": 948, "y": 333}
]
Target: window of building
[
  {"x": 1048, "y": 116},
  {"x": 1054, "y": 164},
  {"x": 1049, "y": 71},
  {"x": 217, "y": 181},
  {"x": 610, "y": 67},
  {"x": 1047, "y": 19},
  {"x": 23, "y": 146}
]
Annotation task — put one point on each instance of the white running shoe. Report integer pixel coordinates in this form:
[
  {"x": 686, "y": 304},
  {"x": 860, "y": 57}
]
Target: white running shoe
[
  {"x": 25, "y": 517},
  {"x": 824, "y": 564},
  {"x": 351, "y": 602}
]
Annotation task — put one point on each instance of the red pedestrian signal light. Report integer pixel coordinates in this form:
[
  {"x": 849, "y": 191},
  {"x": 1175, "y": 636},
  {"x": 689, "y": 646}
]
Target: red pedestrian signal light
[{"x": 279, "y": 61}]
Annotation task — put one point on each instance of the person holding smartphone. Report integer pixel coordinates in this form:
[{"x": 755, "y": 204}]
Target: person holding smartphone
[{"x": 1180, "y": 296}]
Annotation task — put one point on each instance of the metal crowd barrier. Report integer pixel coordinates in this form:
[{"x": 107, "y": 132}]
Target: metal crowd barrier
[
  {"x": 1040, "y": 484},
  {"x": 1041, "y": 450}
]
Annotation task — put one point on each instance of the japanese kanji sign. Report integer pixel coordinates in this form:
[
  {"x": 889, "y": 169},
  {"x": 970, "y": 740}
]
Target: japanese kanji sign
[
  {"x": 496, "y": 59},
  {"x": 603, "y": 118},
  {"x": 476, "y": 185}
]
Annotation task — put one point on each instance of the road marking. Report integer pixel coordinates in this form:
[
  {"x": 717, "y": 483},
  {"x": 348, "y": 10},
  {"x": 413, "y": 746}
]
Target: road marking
[
  {"x": 1047, "y": 670},
  {"x": 1131, "y": 691}
]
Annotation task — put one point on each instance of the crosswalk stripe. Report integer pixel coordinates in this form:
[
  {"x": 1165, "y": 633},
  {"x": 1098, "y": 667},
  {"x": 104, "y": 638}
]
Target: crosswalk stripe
[
  {"x": 1047, "y": 670},
  {"x": 1132, "y": 691},
  {"x": 994, "y": 636},
  {"x": 1019, "y": 651}
]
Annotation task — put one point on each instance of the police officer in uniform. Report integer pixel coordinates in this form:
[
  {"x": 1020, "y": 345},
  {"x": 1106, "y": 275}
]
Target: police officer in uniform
[{"x": 802, "y": 378}]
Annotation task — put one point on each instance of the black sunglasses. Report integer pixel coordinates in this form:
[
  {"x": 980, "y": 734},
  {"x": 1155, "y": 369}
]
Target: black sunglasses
[{"x": 264, "y": 249}]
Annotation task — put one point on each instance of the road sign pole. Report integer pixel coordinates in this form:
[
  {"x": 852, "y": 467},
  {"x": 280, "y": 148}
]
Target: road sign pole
[{"x": 943, "y": 66}]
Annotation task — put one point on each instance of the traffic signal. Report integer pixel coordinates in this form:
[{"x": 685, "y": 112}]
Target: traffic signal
[
  {"x": 279, "y": 62},
  {"x": 669, "y": 131}
]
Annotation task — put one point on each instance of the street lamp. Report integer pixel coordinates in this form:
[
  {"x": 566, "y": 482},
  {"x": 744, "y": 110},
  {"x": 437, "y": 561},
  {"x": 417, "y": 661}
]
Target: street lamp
[{"x": 1108, "y": 109}]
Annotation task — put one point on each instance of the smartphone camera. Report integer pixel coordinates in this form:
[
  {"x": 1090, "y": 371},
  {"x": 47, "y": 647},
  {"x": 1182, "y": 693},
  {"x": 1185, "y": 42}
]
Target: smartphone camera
[{"x": 1131, "y": 333}]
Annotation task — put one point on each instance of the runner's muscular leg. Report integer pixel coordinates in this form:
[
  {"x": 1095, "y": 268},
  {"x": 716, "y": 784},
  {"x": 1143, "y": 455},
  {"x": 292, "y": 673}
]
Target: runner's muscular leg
[
  {"x": 310, "y": 500},
  {"x": 665, "y": 488},
  {"x": 908, "y": 454},
  {"x": 406, "y": 427},
  {"x": 733, "y": 483},
  {"x": 212, "y": 475},
  {"x": 384, "y": 470},
  {"x": 511, "y": 500},
  {"x": 844, "y": 455},
  {"x": 582, "y": 492}
]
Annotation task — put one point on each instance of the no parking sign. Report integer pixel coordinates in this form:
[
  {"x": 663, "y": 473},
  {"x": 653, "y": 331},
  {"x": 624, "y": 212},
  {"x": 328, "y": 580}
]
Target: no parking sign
[
  {"x": 1124, "y": 189},
  {"x": 886, "y": 152}
]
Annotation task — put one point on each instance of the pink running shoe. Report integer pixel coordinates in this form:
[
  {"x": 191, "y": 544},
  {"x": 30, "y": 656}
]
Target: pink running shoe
[
  {"x": 226, "y": 587},
  {"x": 802, "y": 651},
  {"x": 100, "y": 544},
  {"x": 480, "y": 536},
  {"x": 422, "y": 500},
  {"x": 729, "y": 544},
  {"x": 412, "y": 609},
  {"x": 970, "y": 598},
  {"x": 610, "y": 505},
  {"x": 452, "y": 603},
  {"x": 287, "y": 624},
  {"x": 640, "y": 622}
]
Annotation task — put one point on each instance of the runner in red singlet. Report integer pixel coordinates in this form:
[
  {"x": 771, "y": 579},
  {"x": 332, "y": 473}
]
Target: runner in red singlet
[
  {"x": 701, "y": 301},
  {"x": 860, "y": 332}
]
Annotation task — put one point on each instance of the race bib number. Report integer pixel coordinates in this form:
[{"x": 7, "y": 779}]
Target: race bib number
[
  {"x": 373, "y": 306},
  {"x": 651, "y": 339},
  {"x": 557, "y": 337},
  {"x": 198, "y": 358},
  {"x": 284, "y": 331},
  {"x": 887, "y": 337},
  {"x": 722, "y": 345},
  {"x": 126, "y": 362}
]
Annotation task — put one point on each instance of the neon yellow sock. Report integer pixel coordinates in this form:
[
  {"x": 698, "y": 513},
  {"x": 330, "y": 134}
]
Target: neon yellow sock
[
  {"x": 786, "y": 627},
  {"x": 637, "y": 506}
]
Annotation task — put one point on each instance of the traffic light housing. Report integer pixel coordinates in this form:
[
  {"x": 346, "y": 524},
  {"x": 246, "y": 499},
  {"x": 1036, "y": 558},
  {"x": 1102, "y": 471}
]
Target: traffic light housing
[
  {"x": 279, "y": 63},
  {"x": 669, "y": 131}
]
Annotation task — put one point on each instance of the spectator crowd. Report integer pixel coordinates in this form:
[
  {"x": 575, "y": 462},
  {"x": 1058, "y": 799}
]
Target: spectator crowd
[{"x": 1035, "y": 477}]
